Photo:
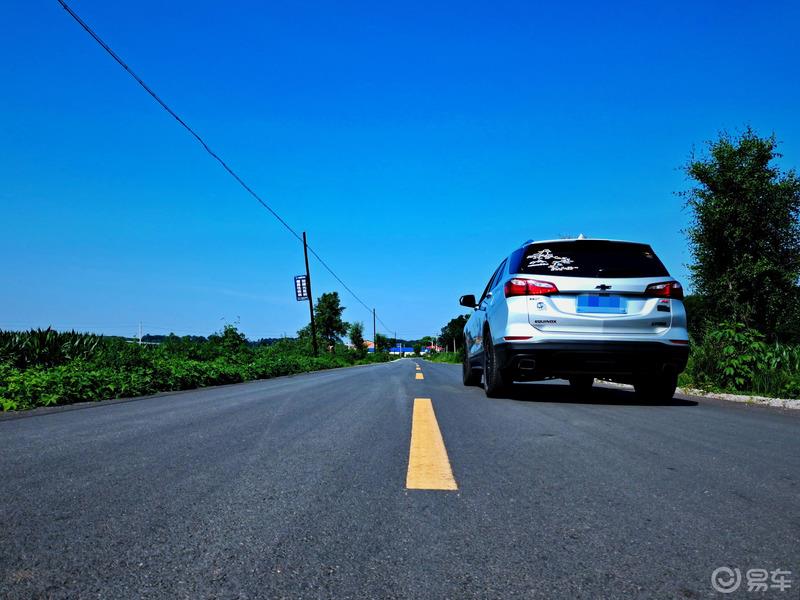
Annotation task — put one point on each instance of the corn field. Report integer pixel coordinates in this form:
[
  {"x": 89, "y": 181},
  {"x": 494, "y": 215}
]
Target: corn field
[{"x": 45, "y": 347}]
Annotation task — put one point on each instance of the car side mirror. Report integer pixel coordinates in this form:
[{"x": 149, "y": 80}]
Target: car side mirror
[{"x": 468, "y": 301}]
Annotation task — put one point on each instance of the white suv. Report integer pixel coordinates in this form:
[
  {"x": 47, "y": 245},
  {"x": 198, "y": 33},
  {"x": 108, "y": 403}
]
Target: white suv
[{"x": 578, "y": 309}]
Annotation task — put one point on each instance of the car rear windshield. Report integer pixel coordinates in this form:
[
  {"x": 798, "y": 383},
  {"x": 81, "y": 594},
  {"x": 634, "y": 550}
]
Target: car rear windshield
[{"x": 589, "y": 258}]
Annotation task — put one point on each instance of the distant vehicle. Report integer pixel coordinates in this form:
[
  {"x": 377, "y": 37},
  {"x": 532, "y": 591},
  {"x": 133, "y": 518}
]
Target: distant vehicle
[{"x": 578, "y": 309}]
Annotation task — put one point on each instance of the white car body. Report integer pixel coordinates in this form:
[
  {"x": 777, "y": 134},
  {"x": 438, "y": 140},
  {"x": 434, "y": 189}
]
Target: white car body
[{"x": 579, "y": 308}]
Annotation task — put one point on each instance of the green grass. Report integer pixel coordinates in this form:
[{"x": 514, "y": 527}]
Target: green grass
[{"x": 446, "y": 357}]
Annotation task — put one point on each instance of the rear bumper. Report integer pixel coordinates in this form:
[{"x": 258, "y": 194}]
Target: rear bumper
[{"x": 597, "y": 358}]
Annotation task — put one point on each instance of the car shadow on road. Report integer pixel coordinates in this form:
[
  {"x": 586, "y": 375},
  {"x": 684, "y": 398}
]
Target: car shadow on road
[{"x": 562, "y": 393}]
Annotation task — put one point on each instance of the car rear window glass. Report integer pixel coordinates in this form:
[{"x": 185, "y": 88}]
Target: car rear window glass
[{"x": 590, "y": 258}]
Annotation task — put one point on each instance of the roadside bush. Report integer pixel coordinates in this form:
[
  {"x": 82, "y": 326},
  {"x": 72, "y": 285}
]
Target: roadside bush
[
  {"x": 120, "y": 354},
  {"x": 66, "y": 370},
  {"x": 780, "y": 374},
  {"x": 729, "y": 356},
  {"x": 732, "y": 357},
  {"x": 65, "y": 384},
  {"x": 374, "y": 357},
  {"x": 446, "y": 357}
]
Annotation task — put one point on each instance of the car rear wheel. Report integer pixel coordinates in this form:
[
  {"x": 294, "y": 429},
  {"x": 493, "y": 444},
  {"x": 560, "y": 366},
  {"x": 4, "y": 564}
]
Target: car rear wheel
[
  {"x": 581, "y": 384},
  {"x": 495, "y": 379},
  {"x": 469, "y": 375},
  {"x": 658, "y": 387}
]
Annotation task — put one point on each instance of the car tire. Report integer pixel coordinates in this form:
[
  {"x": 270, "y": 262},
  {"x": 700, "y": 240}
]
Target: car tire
[
  {"x": 469, "y": 376},
  {"x": 655, "y": 388},
  {"x": 495, "y": 379},
  {"x": 581, "y": 384}
]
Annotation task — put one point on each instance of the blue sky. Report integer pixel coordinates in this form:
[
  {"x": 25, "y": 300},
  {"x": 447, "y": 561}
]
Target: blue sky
[{"x": 416, "y": 143}]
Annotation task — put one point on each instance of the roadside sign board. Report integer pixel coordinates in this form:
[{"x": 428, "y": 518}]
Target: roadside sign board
[{"x": 301, "y": 287}]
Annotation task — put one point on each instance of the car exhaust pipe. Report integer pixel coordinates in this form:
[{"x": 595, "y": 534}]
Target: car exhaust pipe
[{"x": 527, "y": 364}]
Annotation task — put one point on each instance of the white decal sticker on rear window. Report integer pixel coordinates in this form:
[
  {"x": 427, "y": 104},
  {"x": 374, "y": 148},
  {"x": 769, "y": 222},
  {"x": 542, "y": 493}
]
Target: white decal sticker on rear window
[{"x": 545, "y": 258}]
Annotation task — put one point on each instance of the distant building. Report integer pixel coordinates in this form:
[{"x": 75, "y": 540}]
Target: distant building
[
  {"x": 428, "y": 349},
  {"x": 397, "y": 350},
  {"x": 401, "y": 350}
]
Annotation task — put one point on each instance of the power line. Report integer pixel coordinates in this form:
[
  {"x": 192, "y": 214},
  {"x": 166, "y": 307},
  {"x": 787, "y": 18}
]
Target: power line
[
  {"x": 206, "y": 147},
  {"x": 385, "y": 326}
]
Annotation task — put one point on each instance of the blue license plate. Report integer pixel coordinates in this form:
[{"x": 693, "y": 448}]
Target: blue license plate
[{"x": 595, "y": 303}]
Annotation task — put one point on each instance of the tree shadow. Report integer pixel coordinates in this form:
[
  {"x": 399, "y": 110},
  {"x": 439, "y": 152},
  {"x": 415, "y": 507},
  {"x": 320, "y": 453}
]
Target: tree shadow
[{"x": 556, "y": 391}]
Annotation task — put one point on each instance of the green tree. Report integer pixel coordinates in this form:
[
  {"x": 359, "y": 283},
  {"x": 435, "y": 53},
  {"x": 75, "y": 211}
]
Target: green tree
[
  {"x": 230, "y": 342},
  {"x": 304, "y": 337},
  {"x": 745, "y": 235},
  {"x": 356, "y": 335},
  {"x": 328, "y": 319},
  {"x": 382, "y": 343},
  {"x": 697, "y": 315},
  {"x": 454, "y": 331}
]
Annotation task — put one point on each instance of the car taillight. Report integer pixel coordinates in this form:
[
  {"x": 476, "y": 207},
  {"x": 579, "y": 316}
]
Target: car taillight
[
  {"x": 528, "y": 287},
  {"x": 668, "y": 289}
]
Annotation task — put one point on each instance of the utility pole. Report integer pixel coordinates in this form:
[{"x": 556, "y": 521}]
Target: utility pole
[
  {"x": 374, "y": 334},
  {"x": 140, "y": 333},
  {"x": 310, "y": 297}
]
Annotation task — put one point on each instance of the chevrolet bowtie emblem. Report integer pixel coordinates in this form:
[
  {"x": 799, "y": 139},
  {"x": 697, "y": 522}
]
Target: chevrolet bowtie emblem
[{"x": 603, "y": 287}]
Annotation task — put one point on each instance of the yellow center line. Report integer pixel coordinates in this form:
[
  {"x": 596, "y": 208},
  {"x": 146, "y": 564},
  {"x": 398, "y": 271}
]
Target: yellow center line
[
  {"x": 420, "y": 376},
  {"x": 428, "y": 465}
]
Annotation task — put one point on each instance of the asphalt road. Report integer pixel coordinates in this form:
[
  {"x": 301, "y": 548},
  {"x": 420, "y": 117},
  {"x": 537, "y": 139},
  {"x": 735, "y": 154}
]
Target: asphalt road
[{"x": 296, "y": 488}]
